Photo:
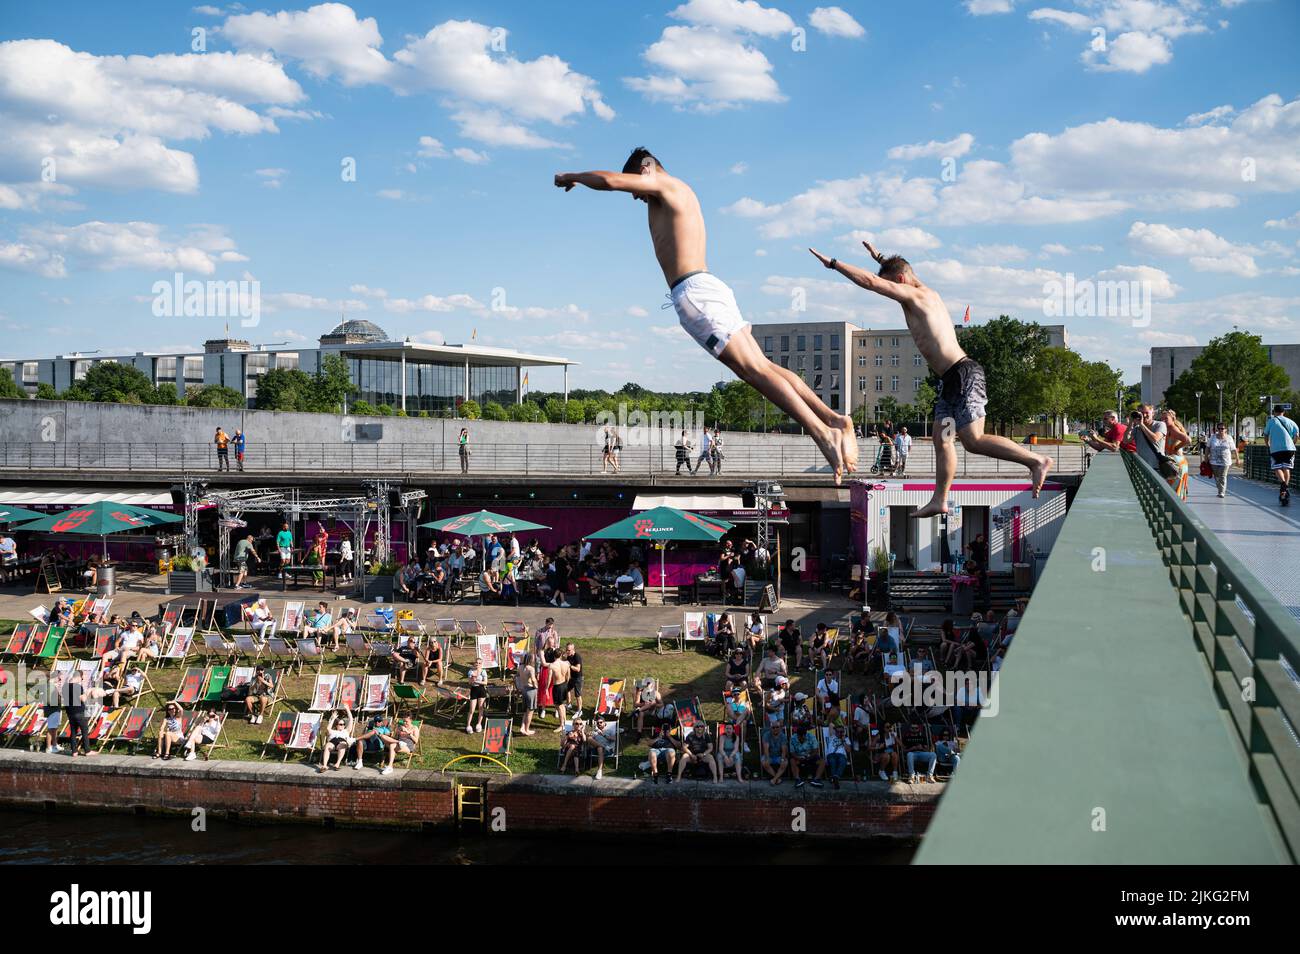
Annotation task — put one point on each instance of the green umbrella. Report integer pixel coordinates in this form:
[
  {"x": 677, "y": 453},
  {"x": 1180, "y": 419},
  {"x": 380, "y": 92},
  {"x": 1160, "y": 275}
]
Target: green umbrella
[
  {"x": 482, "y": 523},
  {"x": 10, "y": 514},
  {"x": 101, "y": 519},
  {"x": 663, "y": 524}
]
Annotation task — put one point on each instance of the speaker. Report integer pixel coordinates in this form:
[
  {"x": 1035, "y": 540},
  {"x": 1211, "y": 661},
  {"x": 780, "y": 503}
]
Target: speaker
[
  {"x": 395, "y": 500},
  {"x": 747, "y": 501},
  {"x": 178, "y": 497}
]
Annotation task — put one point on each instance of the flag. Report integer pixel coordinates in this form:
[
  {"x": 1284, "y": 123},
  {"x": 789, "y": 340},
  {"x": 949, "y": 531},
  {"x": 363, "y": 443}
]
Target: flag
[
  {"x": 525, "y": 379},
  {"x": 966, "y": 319},
  {"x": 473, "y": 334}
]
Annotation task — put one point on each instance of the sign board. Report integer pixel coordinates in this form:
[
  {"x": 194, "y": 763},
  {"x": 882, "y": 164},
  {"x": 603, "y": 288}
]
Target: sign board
[{"x": 768, "y": 600}]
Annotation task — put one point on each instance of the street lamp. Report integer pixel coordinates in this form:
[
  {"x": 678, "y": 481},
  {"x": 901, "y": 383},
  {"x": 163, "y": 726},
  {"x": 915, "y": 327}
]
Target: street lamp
[
  {"x": 1219, "y": 386},
  {"x": 1199, "y": 423}
]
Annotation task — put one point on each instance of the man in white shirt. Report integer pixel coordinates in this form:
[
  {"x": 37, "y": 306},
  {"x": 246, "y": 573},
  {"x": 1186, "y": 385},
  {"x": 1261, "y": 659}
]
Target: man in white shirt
[
  {"x": 902, "y": 447},
  {"x": 584, "y": 550},
  {"x": 706, "y": 453},
  {"x": 1148, "y": 435},
  {"x": 738, "y": 581}
]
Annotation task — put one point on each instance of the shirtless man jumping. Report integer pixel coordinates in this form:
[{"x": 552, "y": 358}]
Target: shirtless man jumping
[
  {"x": 960, "y": 406},
  {"x": 706, "y": 307}
]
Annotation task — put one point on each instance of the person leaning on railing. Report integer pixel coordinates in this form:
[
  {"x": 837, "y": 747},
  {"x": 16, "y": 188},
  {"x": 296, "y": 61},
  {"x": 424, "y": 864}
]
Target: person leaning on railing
[{"x": 1219, "y": 451}]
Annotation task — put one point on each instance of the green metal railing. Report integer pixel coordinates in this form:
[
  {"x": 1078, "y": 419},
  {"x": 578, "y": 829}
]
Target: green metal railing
[
  {"x": 1253, "y": 655},
  {"x": 1257, "y": 464}
]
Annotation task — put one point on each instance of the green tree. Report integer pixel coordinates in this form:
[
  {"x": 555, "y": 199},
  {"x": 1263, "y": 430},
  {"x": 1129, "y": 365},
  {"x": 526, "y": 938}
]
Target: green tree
[
  {"x": 44, "y": 392},
  {"x": 213, "y": 395},
  {"x": 492, "y": 411},
  {"x": 331, "y": 386},
  {"x": 284, "y": 389},
  {"x": 166, "y": 394},
  {"x": 526, "y": 412},
  {"x": 385, "y": 410},
  {"x": 1094, "y": 395},
  {"x": 1241, "y": 362},
  {"x": 926, "y": 395},
  {"x": 112, "y": 382},
  {"x": 470, "y": 410},
  {"x": 1009, "y": 351},
  {"x": 9, "y": 387}
]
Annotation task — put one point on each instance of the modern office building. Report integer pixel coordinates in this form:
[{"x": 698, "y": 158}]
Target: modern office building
[
  {"x": 1168, "y": 363},
  {"x": 852, "y": 368},
  {"x": 402, "y": 374}
]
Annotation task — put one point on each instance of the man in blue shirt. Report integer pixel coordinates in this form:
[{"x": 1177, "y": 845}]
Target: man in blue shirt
[{"x": 1281, "y": 432}]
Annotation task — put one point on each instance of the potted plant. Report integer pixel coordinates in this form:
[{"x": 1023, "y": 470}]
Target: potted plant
[
  {"x": 379, "y": 581},
  {"x": 184, "y": 578}
]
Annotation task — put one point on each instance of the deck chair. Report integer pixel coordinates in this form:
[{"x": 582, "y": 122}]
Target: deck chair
[
  {"x": 36, "y": 642},
  {"x": 169, "y": 620},
  {"x": 450, "y": 700},
  {"x": 241, "y": 676},
  {"x": 101, "y": 727},
  {"x": 303, "y": 735},
  {"x": 215, "y": 685},
  {"x": 895, "y": 665},
  {"x": 41, "y": 614},
  {"x": 497, "y": 737},
  {"x": 834, "y": 676},
  {"x": 307, "y": 650},
  {"x": 292, "y": 618},
  {"x": 216, "y": 645},
  {"x": 375, "y": 693},
  {"x": 277, "y": 647},
  {"x": 250, "y": 647},
  {"x": 449, "y": 628},
  {"x": 379, "y": 621},
  {"x": 672, "y": 636},
  {"x": 16, "y": 645},
  {"x": 609, "y": 698},
  {"x": 191, "y": 688},
  {"x": 281, "y": 732},
  {"x": 179, "y": 646},
  {"x": 407, "y": 624},
  {"x": 688, "y": 713},
  {"x": 409, "y": 757},
  {"x": 487, "y": 650},
  {"x": 468, "y": 629},
  {"x": 102, "y": 639},
  {"x": 97, "y": 612},
  {"x": 406, "y": 694},
  {"x": 719, "y": 730},
  {"x": 359, "y": 647},
  {"x": 324, "y": 693},
  {"x": 824, "y": 739},
  {"x": 54, "y": 645},
  {"x": 350, "y": 691},
  {"x": 132, "y": 727},
  {"x": 12, "y": 716}
]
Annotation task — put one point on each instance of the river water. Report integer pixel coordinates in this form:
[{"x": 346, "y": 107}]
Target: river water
[{"x": 108, "y": 839}]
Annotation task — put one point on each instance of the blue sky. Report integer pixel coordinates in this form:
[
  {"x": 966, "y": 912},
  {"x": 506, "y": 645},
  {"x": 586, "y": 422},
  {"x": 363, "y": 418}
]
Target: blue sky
[{"x": 797, "y": 124}]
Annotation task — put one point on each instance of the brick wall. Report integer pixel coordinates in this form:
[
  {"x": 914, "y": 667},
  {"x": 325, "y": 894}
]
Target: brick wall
[{"x": 280, "y": 793}]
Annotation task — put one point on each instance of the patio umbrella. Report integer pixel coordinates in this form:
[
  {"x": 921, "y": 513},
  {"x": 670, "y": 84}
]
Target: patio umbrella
[
  {"x": 481, "y": 523},
  {"x": 10, "y": 514},
  {"x": 662, "y": 524},
  {"x": 102, "y": 519}
]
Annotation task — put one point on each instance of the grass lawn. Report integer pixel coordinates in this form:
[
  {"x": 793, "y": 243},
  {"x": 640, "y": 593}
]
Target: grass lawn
[{"x": 680, "y": 675}]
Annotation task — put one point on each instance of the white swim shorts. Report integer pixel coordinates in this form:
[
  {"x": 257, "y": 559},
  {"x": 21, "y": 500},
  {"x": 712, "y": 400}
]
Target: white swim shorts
[{"x": 707, "y": 310}]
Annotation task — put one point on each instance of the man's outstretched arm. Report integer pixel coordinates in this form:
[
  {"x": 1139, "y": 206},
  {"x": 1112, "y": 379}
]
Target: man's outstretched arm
[
  {"x": 637, "y": 184},
  {"x": 881, "y": 286}
]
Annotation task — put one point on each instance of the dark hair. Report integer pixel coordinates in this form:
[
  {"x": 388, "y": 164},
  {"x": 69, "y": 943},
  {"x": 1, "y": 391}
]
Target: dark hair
[
  {"x": 639, "y": 155},
  {"x": 894, "y": 267}
]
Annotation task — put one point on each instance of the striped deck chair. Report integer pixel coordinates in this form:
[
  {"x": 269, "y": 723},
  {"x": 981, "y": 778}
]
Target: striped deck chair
[
  {"x": 208, "y": 745},
  {"x": 131, "y": 728},
  {"x": 281, "y": 731},
  {"x": 498, "y": 735},
  {"x": 688, "y": 714},
  {"x": 307, "y": 650},
  {"x": 448, "y": 627},
  {"x": 103, "y": 639},
  {"x": 14, "y": 718},
  {"x": 409, "y": 625},
  {"x": 218, "y": 678},
  {"x": 449, "y": 699},
  {"x": 358, "y": 647},
  {"x": 179, "y": 646},
  {"x": 251, "y": 647},
  {"x": 609, "y": 698},
  {"x": 349, "y": 693},
  {"x": 241, "y": 676},
  {"x": 34, "y": 728},
  {"x": 98, "y": 611},
  {"x": 382, "y": 650},
  {"x": 672, "y": 635},
  {"x": 513, "y": 649},
  {"x": 171, "y": 618},
  {"x": 36, "y": 644},
  {"x": 303, "y": 735},
  {"x": 324, "y": 693},
  {"x": 216, "y": 645},
  {"x": 375, "y": 694},
  {"x": 16, "y": 645},
  {"x": 102, "y": 726},
  {"x": 191, "y": 687}
]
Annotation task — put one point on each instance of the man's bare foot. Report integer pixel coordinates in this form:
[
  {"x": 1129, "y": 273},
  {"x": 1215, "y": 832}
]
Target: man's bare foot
[
  {"x": 848, "y": 445},
  {"x": 932, "y": 509},
  {"x": 829, "y": 444},
  {"x": 1039, "y": 472}
]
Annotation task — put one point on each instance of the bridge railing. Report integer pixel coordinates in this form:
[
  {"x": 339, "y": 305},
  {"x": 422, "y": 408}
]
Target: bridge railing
[
  {"x": 1250, "y": 642},
  {"x": 778, "y": 459}
]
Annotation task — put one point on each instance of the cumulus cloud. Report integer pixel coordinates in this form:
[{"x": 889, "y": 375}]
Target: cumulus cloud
[
  {"x": 106, "y": 246},
  {"x": 833, "y": 21},
  {"x": 327, "y": 39},
  {"x": 935, "y": 149},
  {"x": 1127, "y": 35},
  {"x": 1203, "y": 250}
]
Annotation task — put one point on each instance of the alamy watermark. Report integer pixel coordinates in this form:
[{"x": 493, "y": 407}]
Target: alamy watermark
[
  {"x": 179, "y": 298},
  {"x": 1087, "y": 298},
  {"x": 639, "y": 428}
]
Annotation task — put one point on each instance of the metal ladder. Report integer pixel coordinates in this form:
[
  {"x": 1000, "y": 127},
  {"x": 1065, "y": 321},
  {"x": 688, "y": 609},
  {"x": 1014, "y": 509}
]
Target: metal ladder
[{"x": 471, "y": 804}]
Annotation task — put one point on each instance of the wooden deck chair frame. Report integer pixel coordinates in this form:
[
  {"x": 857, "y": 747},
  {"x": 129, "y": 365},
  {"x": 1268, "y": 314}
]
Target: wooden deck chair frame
[
  {"x": 691, "y": 705},
  {"x": 218, "y": 677},
  {"x": 282, "y": 724},
  {"x": 367, "y": 704},
  {"x": 292, "y": 616},
  {"x": 248, "y": 646},
  {"x": 16, "y": 642},
  {"x": 182, "y": 638},
  {"x": 610, "y": 697},
  {"x": 673, "y": 635},
  {"x": 183, "y": 696},
  {"x": 308, "y": 722},
  {"x": 410, "y": 756},
  {"x": 448, "y": 626},
  {"x": 406, "y": 694},
  {"x": 359, "y": 646},
  {"x": 217, "y": 645},
  {"x": 449, "y": 700},
  {"x": 325, "y": 692},
  {"x": 131, "y": 728}
]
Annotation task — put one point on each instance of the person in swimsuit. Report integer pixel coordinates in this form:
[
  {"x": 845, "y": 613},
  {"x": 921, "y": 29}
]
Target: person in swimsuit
[
  {"x": 707, "y": 308},
  {"x": 959, "y": 409}
]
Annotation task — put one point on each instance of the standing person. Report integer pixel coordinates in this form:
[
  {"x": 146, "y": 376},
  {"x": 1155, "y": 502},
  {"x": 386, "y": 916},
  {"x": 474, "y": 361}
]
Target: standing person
[
  {"x": 561, "y": 672},
  {"x": 9, "y": 554},
  {"x": 1149, "y": 436},
  {"x": 463, "y": 449},
  {"x": 1219, "y": 450},
  {"x": 239, "y": 442},
  {"x": 477, "y": 696},
  {"x": 962, "y": 398},
  {"x": 1177, "y": 440},
  {"x": 284, "y": 545},
  {"x": 244, "y": 553},
  {"x": 683, "y": 449},
  {"x": 607, "y": 455},
  {"x": 1281, "y": 432},
  {"x": 715, "y": 452},
  {"x": 707, "y": 308},
  {"x": 616, "y": 450},
  {"x": 347, "y": 558},
  {"x": 222, "y": 440},
  {"x": 706, "y": 452},
  {"x": 575, "y": 678},
  {"x": 902, "y": 447},
  {"x": 526, "y": 686}
]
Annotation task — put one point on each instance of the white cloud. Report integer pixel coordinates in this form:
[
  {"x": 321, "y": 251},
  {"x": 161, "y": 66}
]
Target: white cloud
[
  {"x": 992, "y": 254},
  {"x": 473, "y": 157},
  {"x": 433, "y": 303},
  {"x": 395, "y": 195},
  {"x": 935, "y": 149},
  {"x": 299, "y": 301},
  {"x": 746, "y": 16},
  {"x": 431, "y": 148},
  {"x": 834, "y": 21},
  {"x": 1290, "y": 222},
  {"x": 1053, "y": 248},
  {"x": 368, "y": 291},
  {"x": 706, "y": 68},
  {"x": 1203, "y": 250},
  {"x": 21, "y": 257},
  {"x": 328, "y": 39},
  {"x": 739, "y": 168},
  {"x": 1209, "y": 116},
  {"x": 491, "y": 127},
  {"x": 107, "y": 246},
  {"x": 636, "y": 311},
  {"x": 907, "y": 239},
  {"x": 1127, "y": 35},
  {"x": 985, "y": 7},
  {"x": 272, "y": 178}
]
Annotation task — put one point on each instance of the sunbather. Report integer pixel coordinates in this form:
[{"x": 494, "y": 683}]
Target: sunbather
[
  {"x": 571, "y": 745},
  {"x": 261, "y": 692},
  {"x": 373, "y": 739},
  {"x": 663, "y": 754},
  {"x": 205, "y": 733},
  {"x": 773, "y": 751},
  {"x": 338, "y": 738},
  {"x": 698, "y": 751},
  {"x": 731, "y": 753},
  {"x": 171, "y": 732},
  {"x": 406, "y": 739}
]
